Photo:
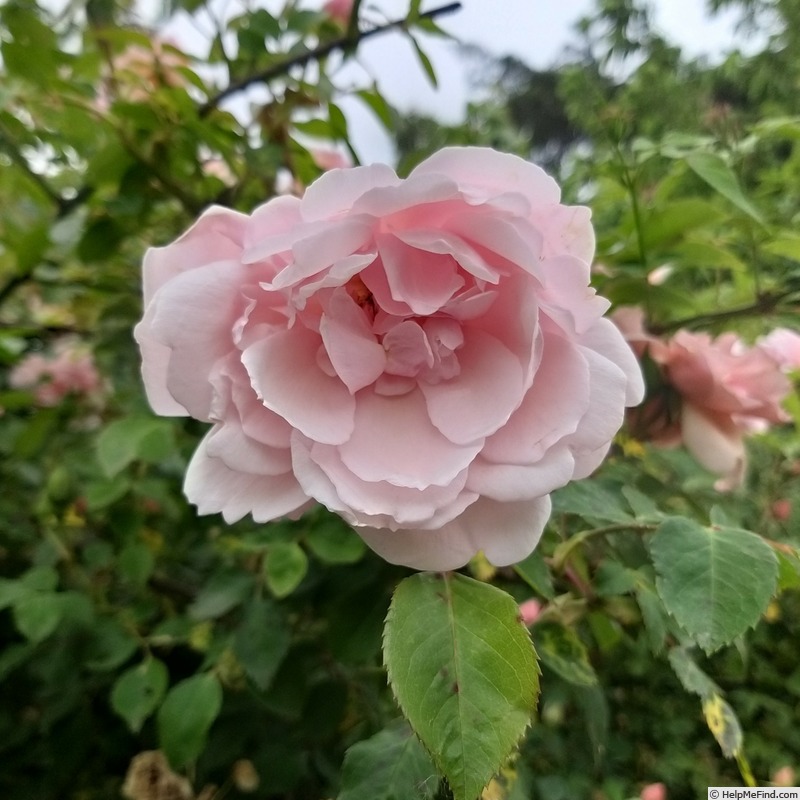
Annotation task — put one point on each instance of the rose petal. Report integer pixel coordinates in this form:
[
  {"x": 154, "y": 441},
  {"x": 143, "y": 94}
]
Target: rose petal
[
  {"x": 488, "y": 172},
  {"x": 506, "y": 532},
  {"x": 552, "y": 408},
  {"x": 482, "y": 397},
  {"x": 355, "y": 354},
  {"x": 720, "y": 450},
  {"x": 215, "y": 488},
  {"x": 216, "y": 236},
  {"x": 193, "y": 315},
  {"x": 323, "y": 476},
  {"x": 284, "y": 374},
  {"x": 393, "y": 441},
  {"x": 605, "y": 338},
  {"x": 424, "y": 281},
  {"x": 337, "y": 191},
  {"x": 229, "y": 443}
]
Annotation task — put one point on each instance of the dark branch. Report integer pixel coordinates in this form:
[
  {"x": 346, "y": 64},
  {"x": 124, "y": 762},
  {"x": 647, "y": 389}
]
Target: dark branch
[
  {"x": 765, "y": 304},
  {"x": 346, "y": 42}
]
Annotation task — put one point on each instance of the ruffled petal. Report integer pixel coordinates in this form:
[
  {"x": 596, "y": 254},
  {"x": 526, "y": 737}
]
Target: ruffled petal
[
  {"x": 216, "y": 236},
  {"x": 394, "y": 441},
  {"x": 215, "y": 488},
  {"x": 193, "y": 315},
  {"x": 486, "y": 173},
  {"x": 605, "y": 338},
  {"x": 284, "y": 374},
  {"x": 357, "y": 357},
  {"x": 424, "y": 281},
  {"x": 552, "y": 408},
  {"x": 506, "y": 532},
  {"x": 323, "y": 476},
  {"x": 483, "y": 396}
]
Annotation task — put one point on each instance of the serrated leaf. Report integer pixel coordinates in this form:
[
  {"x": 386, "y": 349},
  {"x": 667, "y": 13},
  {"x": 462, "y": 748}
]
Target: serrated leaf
[
  {"x": 716, "y": 582},
  {"x": 590, "y": 500},
  {"x": 724, "y": 724},
  {"x": 563, "y": 652},
  {"x": 285, "y": 566},
  {"x": 692, "y": 678},
  {"x": 535, "y": 572},
  {"x": 138, "y": 691},
  {"x": 37, "y": 616},
  {"x": 720, "y": 177},
  {"x": 391, "y": 765},
  {"x": 262, "y": 641},
  {"x": 185, "y": 717},
  {"x": 464, "y": 672}
]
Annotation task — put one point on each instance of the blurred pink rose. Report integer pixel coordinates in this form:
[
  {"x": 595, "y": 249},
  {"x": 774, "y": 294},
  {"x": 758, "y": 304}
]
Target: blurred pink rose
[
  {"x": 781, "y": 509},
  {"x": 330, "y": 159},
  {"x": 727, "y": 390},
  {"x": 70, "y": 371},
  {"x": 530, "y": 611},
  {"x": 784, "y": 346},
  {"x": 784, "y": 776},
  {"x": 339, "y": 10},
  {"x": 631, "y": 323},
  {"x": 653, "y": 791},
  {"x": 424, "y": 357}
]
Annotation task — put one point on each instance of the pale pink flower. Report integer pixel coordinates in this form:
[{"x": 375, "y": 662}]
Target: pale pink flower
[
  {"x": 659, "y": 275},
  {"x": 330, "y": 159},
  {"x": 425, "y": 357},
  {"x": 70, "y": 371},
  {"x": 530, "y": 611},
  {"x": 781, "y": 509},
  {"x": 784, "y": 346},
  {"x": 784, "y": 776},
  {"x": 339, "y": 10},
  {"x": 631, "y": 322},
  {"x": 138, "y": 71},
  {"x": 653, "y": 791},
  {"x": 727, "y": 390}
]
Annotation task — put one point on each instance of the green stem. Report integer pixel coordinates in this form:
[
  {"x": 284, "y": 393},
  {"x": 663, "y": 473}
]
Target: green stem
[{"x": 346, "y": 42}]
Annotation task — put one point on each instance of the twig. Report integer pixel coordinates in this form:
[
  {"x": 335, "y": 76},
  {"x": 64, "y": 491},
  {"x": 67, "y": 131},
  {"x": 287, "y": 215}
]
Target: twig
[
  {"x": 341, "y": 43},
  {"x": 765, "y": 304}
]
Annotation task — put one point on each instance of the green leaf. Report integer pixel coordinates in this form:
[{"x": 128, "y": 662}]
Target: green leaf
[
  {"x": 720, "y": 177},
  {"x": 563, "y": 652},
  {"x": 376, "y": 101},
  {"x": 185, "y": 717},
  {"x": 38, "y": 615},
  {"x": 590, "y": 500},
  {"x": 123, "y": 441},
  {"x": 535, "y": 572},
  {"x": 391, "y": 765},
  {"x": 724, "y": 724},
  {"x": 425, "y": 62},
  {"x": 223, "y": 592},
  {"x": 654, "y": 616},
  {"x": 716, "y": 582},
  {"x": 285, "y": 566},
  {"x": 135, "y": 563},
  {"x": 138, "y": 691},
  {"x": 334, "y": 542},
  {"x": 692, "y": 678},
  {"x": 262, "y": 641},
  {"x": 111, "y": 645},
  {"x": 464, "y": 672},
  {"x": 786, "y": 246}
]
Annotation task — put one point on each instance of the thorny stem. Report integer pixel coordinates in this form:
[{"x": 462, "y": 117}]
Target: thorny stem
[{"x": 345, "y": 42}]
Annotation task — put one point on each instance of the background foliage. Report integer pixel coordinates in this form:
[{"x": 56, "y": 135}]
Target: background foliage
[{"x": 251, "y": 654}]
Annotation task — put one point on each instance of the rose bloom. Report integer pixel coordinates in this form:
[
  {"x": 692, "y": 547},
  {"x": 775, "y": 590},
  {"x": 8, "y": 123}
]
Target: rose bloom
[
  {"x": 727, "y": 391},
  {"x": 424, "y": 357},
  {"x": 783, "y": 345},
  {"x": 339, "y": 10},
  {"x": 70, "y": 371}
]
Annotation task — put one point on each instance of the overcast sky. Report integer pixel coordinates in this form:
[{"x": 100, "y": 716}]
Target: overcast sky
[{"x": 536, "y": 31}]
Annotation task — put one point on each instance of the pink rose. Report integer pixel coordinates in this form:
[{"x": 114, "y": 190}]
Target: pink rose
[
  {"x": 530, "y": 611},
  {"x": 330, "y": 159},
  {"x": 339, "y": 10},
  {"x": 654, "y": 791},
  {"x": 783, "y": 345},
  {"x": 70, "y": 371},
  {"x": 424, "y": 357},
  {"x": 727, "y": 390}
]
